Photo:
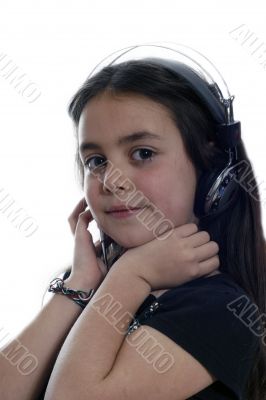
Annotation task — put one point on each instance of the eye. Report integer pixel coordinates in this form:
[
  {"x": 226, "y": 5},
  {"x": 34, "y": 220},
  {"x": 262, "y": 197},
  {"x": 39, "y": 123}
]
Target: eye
[
  {"x": 93, "y": 162},
  {"x": 90, "y": 163},
  {"x": 146, "y": 152}
]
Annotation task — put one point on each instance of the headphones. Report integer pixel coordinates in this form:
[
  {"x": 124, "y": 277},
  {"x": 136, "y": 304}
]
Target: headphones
[{"x": 216, "y": 189}]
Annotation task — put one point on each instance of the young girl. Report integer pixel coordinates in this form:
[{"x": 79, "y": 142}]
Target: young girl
[{"x": 169, "y": 313}]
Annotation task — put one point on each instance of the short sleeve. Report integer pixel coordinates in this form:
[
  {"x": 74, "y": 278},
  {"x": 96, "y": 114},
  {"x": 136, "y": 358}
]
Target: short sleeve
[{"x": 197, "y": 317}]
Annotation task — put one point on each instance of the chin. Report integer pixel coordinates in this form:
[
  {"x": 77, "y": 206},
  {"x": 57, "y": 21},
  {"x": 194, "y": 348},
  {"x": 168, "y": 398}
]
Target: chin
[
  {"x": 132, "y": 239},
  {"x": 127, "y": 235}
]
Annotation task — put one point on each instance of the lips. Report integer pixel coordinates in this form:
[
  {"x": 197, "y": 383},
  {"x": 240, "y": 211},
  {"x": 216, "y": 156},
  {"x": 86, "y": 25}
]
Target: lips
[
  {"x": 119, "y": 208},
  {"x": 124, "y": 213}
]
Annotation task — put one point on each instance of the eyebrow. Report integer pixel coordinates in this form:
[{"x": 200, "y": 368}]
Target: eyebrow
[{"x": 133, "y": 137}]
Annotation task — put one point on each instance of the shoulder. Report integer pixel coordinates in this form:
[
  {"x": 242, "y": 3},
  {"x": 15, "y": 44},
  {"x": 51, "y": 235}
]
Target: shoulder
[
  {"x": 200, "y": 316},
  {"x": 205, "y": 306}
]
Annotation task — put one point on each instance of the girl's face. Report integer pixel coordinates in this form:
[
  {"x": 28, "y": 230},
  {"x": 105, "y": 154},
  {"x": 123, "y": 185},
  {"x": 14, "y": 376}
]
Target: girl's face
[{"x": 157, "y": 167}]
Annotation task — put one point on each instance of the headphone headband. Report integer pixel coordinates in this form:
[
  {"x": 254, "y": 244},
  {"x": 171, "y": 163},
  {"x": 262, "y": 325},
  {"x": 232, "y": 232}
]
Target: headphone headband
[
  {"x": 200, "y": 79},
  {"x": 228, "y": 130}
]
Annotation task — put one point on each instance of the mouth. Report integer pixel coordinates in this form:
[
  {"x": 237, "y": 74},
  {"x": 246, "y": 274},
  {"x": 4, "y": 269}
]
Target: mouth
[{"x": 124, "y": 213}]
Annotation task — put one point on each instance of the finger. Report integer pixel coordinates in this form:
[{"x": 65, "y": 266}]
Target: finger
[
  {"x": 206, "y": 251},
  {"x": 208, "y": 266},
  {"x": 198, "y": 239},
  {"x": 72, "y": 226},
  {"x": 186, "y": 229},
  {"x": 82, "y": 223},
  {"x": 85, "y": 217},
  {"x": 81, "y": 205},
  {"x": 73, "y": 218}
]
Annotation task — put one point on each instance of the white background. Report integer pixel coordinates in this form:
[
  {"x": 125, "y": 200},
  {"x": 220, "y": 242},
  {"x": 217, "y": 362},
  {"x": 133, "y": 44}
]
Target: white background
[{"x": 56, "y": 44}]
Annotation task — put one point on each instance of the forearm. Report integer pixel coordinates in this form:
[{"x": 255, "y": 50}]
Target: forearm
[
  {"x": 89, "y": 352},
  {"x": 39, "y": 344}
]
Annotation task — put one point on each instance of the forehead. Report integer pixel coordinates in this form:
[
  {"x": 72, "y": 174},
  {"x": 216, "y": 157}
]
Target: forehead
[{"x": 121, "y": 113}]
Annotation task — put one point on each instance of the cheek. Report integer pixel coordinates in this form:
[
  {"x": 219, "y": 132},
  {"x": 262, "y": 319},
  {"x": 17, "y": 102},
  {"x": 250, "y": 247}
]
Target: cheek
[
  {"x": 91, "y": 194},
  {"x": 157, "y": 188},
  {"x": 181, "y": 201},
  {"x": 171, "y": 190}
]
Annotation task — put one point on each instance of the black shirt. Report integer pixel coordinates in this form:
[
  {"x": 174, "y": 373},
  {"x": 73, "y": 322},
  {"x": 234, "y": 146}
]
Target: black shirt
[{"x": 195, "y": 315}]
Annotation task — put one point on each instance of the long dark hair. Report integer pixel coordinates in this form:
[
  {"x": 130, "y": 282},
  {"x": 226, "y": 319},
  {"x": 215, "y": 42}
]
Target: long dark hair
[{"x": 244, "y": 259}]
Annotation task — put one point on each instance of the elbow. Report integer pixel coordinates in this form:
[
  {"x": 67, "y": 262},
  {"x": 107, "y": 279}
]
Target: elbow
[{"x": 76, "y": 392}]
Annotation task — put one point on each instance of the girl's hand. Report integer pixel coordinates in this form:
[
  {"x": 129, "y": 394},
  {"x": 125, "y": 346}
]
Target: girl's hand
[
  {"x": 184, "y": 255},
  {"x": 86, "y": 258}
]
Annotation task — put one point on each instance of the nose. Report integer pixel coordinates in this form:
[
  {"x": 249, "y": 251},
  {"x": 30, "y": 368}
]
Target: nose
[
  {"x": 114, "y": 181},
  {"x": 112, "y": 185}
]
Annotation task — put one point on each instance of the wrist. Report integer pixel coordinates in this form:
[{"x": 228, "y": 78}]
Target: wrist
[
  {"x": 77, "y": 282},
  {"x": 79, "y": 296},
  {"x": 130, "y": 270}
]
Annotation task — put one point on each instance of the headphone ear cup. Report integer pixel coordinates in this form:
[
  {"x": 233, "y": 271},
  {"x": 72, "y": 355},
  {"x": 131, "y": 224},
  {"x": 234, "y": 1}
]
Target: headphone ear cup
[
  {"x": 223, "y": 194},
  {"x": 204, "y": 185}
]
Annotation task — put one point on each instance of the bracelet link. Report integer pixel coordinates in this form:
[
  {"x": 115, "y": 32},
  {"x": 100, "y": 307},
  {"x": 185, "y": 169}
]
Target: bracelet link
[{"x": 79, "y": 296}]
